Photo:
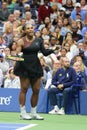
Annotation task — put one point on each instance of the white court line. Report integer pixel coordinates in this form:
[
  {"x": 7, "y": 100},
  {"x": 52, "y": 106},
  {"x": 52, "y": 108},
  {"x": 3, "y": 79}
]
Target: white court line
[{"x": 26, "y": 127}]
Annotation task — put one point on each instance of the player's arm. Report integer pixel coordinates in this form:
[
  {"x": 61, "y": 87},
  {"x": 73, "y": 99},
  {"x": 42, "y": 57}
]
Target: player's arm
[
  {"x": 18, "y": 56},
  {"x": 20, "y": 45}
]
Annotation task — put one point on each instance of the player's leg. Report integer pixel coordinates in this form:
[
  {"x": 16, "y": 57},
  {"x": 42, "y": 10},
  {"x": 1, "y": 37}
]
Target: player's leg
[
  {"x": 35, "y": 84},
  {"x": 22, "y": 98}
]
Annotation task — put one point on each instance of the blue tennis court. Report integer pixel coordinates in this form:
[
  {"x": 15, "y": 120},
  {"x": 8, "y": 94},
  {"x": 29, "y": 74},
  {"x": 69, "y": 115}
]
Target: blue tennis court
[{"x": 9, "y": 126}]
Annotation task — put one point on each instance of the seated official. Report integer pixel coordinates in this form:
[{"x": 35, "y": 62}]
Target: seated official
[{"x": 61, "y": 82}]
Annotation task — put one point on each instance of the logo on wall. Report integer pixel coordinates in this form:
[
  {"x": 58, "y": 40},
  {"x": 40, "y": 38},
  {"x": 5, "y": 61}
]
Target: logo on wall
[{"x": 5, "y": 100}]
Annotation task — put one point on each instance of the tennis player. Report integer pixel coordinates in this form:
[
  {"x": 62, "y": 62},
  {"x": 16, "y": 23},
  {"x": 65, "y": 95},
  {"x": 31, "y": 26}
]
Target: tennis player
[{"x": 30, "y": 70}]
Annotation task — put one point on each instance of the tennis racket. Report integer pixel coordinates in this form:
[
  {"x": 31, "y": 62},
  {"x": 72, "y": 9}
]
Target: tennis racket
[{"x": 15, "y": 58}]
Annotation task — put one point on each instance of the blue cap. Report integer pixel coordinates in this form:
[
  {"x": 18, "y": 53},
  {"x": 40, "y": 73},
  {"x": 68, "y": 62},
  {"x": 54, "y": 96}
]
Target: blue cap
[{"x": 1, "y": 55}]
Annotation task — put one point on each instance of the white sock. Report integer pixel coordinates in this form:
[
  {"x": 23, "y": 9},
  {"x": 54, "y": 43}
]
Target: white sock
[
  {"x": 33, "y": 110},
  {"x": 56, "y": 107},
  {"x": 22, "y": 109}
]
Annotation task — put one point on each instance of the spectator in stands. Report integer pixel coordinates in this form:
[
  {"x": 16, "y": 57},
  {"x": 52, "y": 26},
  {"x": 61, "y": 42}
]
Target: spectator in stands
[
  {"x": 67, "y": 46},
  {"x": 83, "y": 4},
  {"x": 27, "y": 2},
  {"x": 38, "y": 33},
  {"x": 8, "y": 33},
  {"x": 26, "y": 9},
  {"x": 35, "y": 5},
  {"x": 80, "y": 75},
  {"x": 2, "y": 43},
  {"x": 34, "y": 9},
  {"x": 0, "y": 3},
  {"x": 62, "y": 52},
  {"x": 28, "y": 18},
  {"x": 66, "y": 23},
  {"x": 76, "y": 11},
  {"x": 68, "y": 35},
  {"x": 11, "y": 20},
  {"x": 4, "y": 65},
  {"x": 84, "y": 29},
  {"x": 19, "y": 6},
  {"x": 4, "y": 12},
  {"x": 81, "y": 46},
  {"x": 10, "y": 5},
  {"x": 1, "y": 27},
  {"x": 53, "y": 42},
  {"x": 79, "y": 24},
  {"x": 50, "y": 59},
  {"x": 1, "y": 76},
  {"x": 57, "y": 2},
  {"x": 55, "y": 13},
  {"x": 60, "y": 23},
  {"x": 84, "y": 38},
  {"x": 44, "y": 33},
  {"x": 64, "y": 2},
  {"x": 62, "y": 13},
  {"x": 73, "y": 50},
  {"x": 6, "y": 54},
  {"x": 58, "y": 35},
  {"x": 61, "y": 83},
  {"x": 56, "y": 66},
  {"x": 16, "y": 34},
  {"x": 13, "y": 47},
  {"x": 76, "y": 37},
  {"x": 22, "y": 23},
  {"x": 85, "y": 49},
  {"x": 47, "y": 72},
  {"x": 63, "y": 30},
  {"x": 60, "y": 58},
  {"x": 46, "y": 22},
  {"x": 44, "y": 10},
  {"x": 83, "y": 67},
  {"x": 17, "y": 15},
  {"x": 69, "y": 7},
  {"x": 12, "y": 81}
]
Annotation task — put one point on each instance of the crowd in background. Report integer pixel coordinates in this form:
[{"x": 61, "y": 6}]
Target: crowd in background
[{"x": 62, "y": 24}]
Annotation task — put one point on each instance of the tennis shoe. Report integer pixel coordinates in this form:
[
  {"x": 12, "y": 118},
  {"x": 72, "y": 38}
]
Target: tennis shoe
[
  {"x": 61, "y": 112},
  {"x": 54, "y": 111},
  {"x": 36, "y": 117},
  {"x": 25, "y": 116}
]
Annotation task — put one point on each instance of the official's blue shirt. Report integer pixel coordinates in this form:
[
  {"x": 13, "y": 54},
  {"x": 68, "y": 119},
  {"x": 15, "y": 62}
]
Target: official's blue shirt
[{"x": 67, "y": 77}]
